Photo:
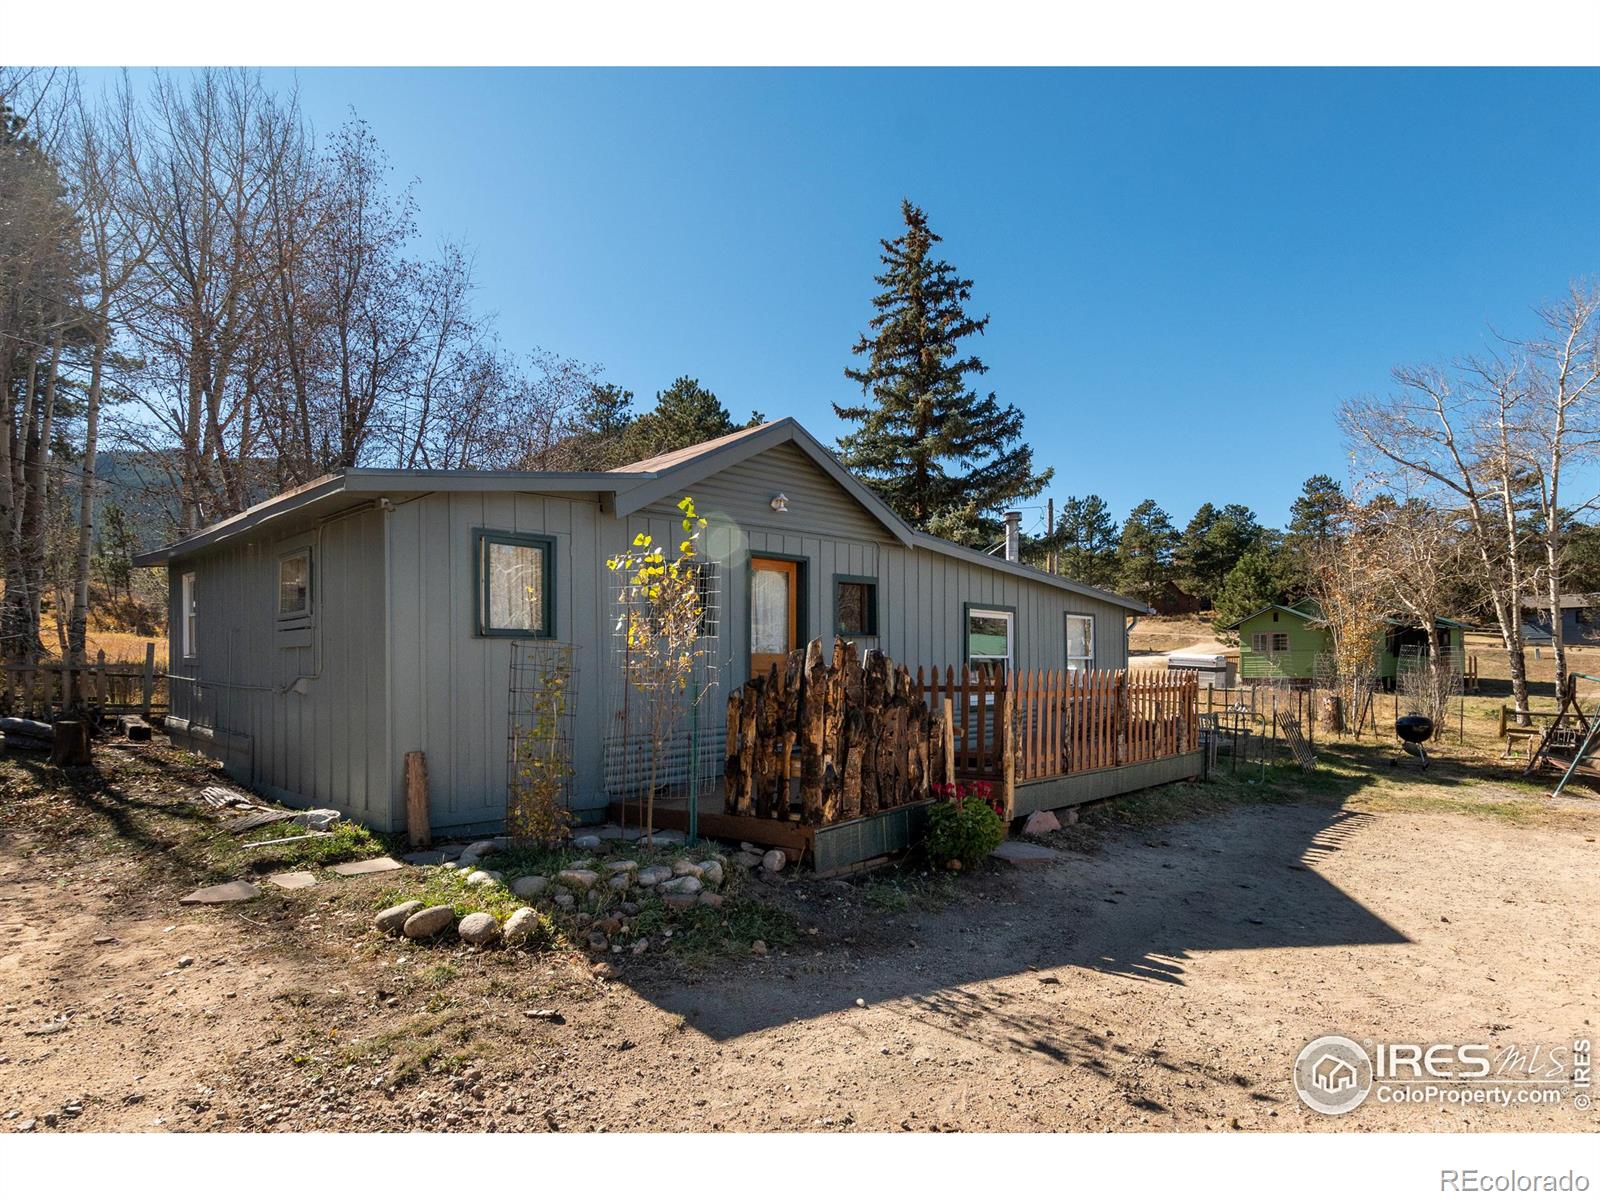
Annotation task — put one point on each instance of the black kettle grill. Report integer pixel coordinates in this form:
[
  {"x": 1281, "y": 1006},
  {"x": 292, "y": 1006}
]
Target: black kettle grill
[{"x": 1413, "y": 729}]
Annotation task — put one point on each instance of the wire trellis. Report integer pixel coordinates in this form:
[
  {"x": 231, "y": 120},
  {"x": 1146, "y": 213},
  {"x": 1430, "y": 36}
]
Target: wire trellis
[
  {"x": 691, "y": 760},
  {"x": 539, "y": 755}
]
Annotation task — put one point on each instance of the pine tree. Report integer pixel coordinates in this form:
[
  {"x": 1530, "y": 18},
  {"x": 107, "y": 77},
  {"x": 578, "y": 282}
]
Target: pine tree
[
  {"x": 600, "y": 425},
  {"x": 1316, "y": 518},
  {"x": 1214, "y": 540},
  {"x": 1254, "y": 582},
  {"x": 946, "y": 459},
  {"x": 1085, "y": 541},
  {"x": 1144, "y": 552},
  {"x": 684, "y": 415}
]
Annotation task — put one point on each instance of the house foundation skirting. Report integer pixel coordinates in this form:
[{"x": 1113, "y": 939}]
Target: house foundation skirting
[{"x": 1067, "y": 791}]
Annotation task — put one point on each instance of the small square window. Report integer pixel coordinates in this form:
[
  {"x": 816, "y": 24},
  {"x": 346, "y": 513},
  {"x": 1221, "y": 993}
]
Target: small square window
[
  {"x": 514, "y": 586},
  {"x": 294, "y": 584},
  {"x": 855, "y": 607}
]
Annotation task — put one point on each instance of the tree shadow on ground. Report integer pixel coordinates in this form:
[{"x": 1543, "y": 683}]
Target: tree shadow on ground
[{"x": 1245, "y": 878}]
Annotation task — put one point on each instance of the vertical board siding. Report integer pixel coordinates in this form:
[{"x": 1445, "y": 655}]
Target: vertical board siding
[{"x": 324, "y": 742}]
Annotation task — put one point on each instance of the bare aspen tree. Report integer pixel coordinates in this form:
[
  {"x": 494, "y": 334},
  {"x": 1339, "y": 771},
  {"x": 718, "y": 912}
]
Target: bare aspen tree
[
  {"x": 1563, "y": 430},
  {"x": 114, "y": 250},
  {"x": 1466, "y": 443}
]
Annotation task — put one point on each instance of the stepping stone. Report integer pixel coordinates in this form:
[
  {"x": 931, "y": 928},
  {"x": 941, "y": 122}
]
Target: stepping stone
[
  {"x": 1024, "y": 854},
  {"x": 664, "y": 837},
  {"x": 367, "y": 866},
  {"x": 293, "y": 881},
  {"x": 223, "y": 893}
]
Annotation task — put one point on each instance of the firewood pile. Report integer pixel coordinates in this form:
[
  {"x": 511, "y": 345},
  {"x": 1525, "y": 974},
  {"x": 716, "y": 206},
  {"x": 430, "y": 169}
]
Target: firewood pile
[{"x": 860, "y": 735}]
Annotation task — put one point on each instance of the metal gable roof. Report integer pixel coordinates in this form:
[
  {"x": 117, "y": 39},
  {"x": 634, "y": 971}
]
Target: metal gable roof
[{"x": 625, "y": 490}]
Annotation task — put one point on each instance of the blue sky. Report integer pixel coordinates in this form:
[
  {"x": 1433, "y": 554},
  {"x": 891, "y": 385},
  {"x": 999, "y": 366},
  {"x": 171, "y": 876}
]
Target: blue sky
[{"x": 1187, "y": 270}]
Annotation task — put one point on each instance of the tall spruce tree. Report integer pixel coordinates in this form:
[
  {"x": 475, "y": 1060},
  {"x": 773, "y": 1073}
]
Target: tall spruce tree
[{"x": 945, "y": 458}]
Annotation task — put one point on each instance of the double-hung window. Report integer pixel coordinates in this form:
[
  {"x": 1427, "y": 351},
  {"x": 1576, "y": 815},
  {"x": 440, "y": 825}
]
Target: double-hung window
[
  {"x": 1269, "y": 643},
  {"x": 1080, "y": 642},
  {"x": 515, "y": 585},
  {"x": 991, "y": 638}
]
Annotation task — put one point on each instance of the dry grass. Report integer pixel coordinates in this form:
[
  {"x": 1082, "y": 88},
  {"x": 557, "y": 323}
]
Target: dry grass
[{"x": 1159, "y": 635}]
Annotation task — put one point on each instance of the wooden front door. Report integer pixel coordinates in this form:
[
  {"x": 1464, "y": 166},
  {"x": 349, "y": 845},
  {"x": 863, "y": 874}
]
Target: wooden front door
[{"x": 774, "y": 613}]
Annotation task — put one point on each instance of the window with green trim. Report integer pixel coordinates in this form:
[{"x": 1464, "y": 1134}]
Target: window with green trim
[
  {"x": 855, "y": 606},
  {"x": 515, "y": 585}
]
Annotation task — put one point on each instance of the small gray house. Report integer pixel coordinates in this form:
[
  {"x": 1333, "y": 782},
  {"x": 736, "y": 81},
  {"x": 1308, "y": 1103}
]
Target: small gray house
[{"x": 318, "y": 637}]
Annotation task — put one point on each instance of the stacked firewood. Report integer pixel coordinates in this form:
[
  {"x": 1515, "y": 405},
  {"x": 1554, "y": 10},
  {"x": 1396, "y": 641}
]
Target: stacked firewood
[{"x": 857, "y": 733}]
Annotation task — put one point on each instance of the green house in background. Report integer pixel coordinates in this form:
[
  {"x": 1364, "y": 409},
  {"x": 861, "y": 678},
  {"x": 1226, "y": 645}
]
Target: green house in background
[{"x": 1285, "y": 642}]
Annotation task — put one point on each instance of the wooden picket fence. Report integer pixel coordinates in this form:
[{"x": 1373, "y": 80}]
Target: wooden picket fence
[
  {"x": 1066, "y": 722},
  {"x": 866, "y": 735}
]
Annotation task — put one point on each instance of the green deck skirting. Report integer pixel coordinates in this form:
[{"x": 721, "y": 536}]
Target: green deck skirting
[
  {"x": 852, "y": 843},
  {"x": 1064, "y": 791}
]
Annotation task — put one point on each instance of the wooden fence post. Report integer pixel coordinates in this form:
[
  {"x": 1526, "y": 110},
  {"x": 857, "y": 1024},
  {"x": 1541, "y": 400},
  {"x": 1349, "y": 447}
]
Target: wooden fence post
[
  {"x": 149, "y": 677},
  {"x": 416, "y": 798},
  {"x": 949, "y": 719},
  {"x": 1006, "y": 735}
]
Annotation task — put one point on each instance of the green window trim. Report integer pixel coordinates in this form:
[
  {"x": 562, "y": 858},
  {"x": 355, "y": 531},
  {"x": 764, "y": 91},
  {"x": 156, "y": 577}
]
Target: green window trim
[
  {"x": 482, "y": 540},
  {"x": 873, "y": 621}
]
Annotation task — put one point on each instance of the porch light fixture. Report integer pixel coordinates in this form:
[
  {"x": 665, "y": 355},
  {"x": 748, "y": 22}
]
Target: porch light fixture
[{"x": 780, "y": 503}]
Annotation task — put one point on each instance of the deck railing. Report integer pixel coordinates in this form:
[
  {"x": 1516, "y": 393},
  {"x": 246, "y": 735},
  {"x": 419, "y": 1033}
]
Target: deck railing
[{"x": 1064, "y": 722}]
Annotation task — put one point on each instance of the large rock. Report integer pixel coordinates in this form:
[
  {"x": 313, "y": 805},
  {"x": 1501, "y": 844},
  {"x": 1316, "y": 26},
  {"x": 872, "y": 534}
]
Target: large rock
[
  {"x": 651, "y": 876},
  {"x": 684, "y": 867},
  {"x": 683, "y": 885},
  {"x": 619, "y": 883},
  {"x": 484, "y": 848},
  {"x": 529, "y": 887},
  {"x": 711, "y": 873},
  {"x": 712, "y": 899},
  {"x": 479, "y": 878},
  {"x": 478, "y": 929},
  {"x": 577, "y": 879},
  {"x": 520, "y": 926},
  {"x": 748, "y": 859},
  {"x": 680, "y": 899},
  {"x": 622, "y": 866},
  {"x": 393, "y": 920},
  {"x": 429, "y": 922},
  {"x": 586, "y": 841},
  {"x": 774, "y": 861},
  {"x": 1039, "y": 823}
]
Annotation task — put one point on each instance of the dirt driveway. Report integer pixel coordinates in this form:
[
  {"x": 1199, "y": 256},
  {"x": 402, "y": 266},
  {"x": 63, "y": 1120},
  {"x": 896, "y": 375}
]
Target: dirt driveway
[{"x": 1164, "y": 981}]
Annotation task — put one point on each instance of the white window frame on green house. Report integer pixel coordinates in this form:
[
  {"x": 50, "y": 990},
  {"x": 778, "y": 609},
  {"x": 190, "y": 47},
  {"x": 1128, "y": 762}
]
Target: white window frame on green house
[
  {"x": 1084, "y": 659},
  {"x": 1267, "y": 643},
  {"x": 186, "y": 606}
]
